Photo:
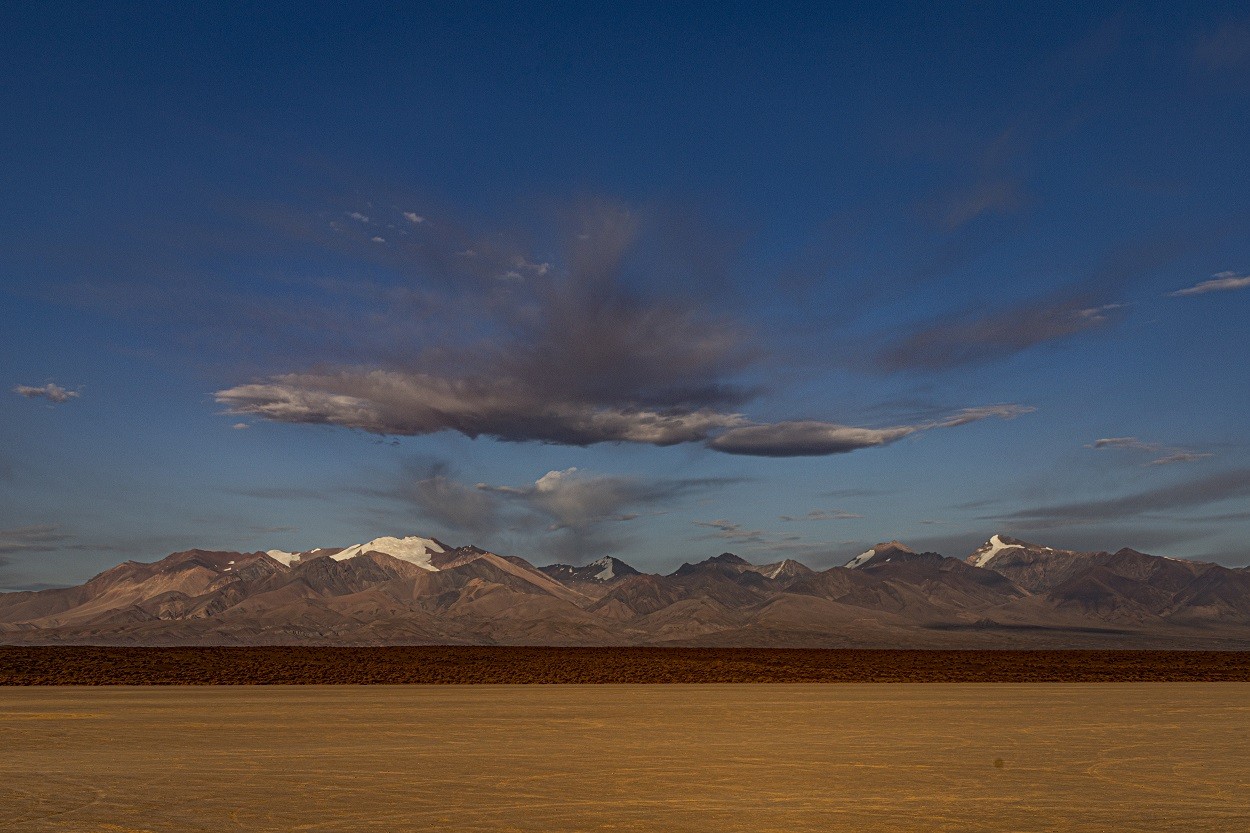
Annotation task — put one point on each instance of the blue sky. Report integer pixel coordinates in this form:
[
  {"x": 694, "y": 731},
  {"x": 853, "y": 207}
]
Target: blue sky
[{"x": 659, "y": 281}]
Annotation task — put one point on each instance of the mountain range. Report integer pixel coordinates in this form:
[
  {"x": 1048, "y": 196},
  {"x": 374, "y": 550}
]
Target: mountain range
[{"x": 1006, "y": 594}]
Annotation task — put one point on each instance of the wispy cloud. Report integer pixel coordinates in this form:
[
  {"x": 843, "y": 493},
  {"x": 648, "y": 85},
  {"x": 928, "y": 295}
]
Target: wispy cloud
[
  {"x": 1178, "y": 457},
  {"x": 732, "y": 532},
  {"x": 975, "y": 337},
  {"x": 990, "y": 196},
  {"x": 1219, "y": 282},
  {"x": 431, "y": 486},
  {"x": 580, "y": 508},
  {"x": 1167, "y": 455},
  {"x": 284, "y": 493},
  {"x": 38, "y": 538},
  {"x": 813, "y": 438},
  {"x": 570, "y": 514},
  {"x": 52, "y": 392},
  {"x": 854, "y": 493},
  {"x": 1167, "y": 499},
  {"x": 823, "y": 515},
  {"x": 979, "y": 334},
  {"x": 1227, "y": 47}
]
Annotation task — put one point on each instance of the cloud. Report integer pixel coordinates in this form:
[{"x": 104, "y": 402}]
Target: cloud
[
  {"x": 732, "y": 532},
  {"x": 414, "y": 403},
  {"x": 414, "y": 218},
  {"x": 261, "y": 529},
  {"x": 995, "y": 196},
  {"x": 1169, "y": 455},
  {"x": 1167, "y": 499},
  {"x": 240, "y": 426},
  {"x": 283, "y": 493},
  {"x": 1178, "y": 457},
  {"x": 854, "y": 492},
  {"x": 51, "y": 392},
  {"x": 40, "y": 538},
  {"x": 432, "y": 488},
  {"x": 1228, "y": 47},
  {"x": 576, "y": 500},
  {"x": 1122, "y": 442},
  {"x": 823, "y": 515},
  {"x": 581, "y": 509},
  {"x": 813, "y": 438},
  {"x": 1219, "y": 282},
  {"x": 978, "y": 335},
  {"x": 974, "y": 337},
  {"x": 573, "y": 356}
]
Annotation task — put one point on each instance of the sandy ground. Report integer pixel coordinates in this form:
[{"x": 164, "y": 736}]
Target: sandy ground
[{"x": 761, "y": 757}]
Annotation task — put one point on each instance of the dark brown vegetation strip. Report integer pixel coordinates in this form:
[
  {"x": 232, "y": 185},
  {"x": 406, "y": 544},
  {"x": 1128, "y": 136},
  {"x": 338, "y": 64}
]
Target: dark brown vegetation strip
[{"x": 66, "y": 665}]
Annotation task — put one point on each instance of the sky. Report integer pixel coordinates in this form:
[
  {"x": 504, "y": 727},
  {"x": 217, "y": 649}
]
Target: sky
[{"x": 649, "y": 280}]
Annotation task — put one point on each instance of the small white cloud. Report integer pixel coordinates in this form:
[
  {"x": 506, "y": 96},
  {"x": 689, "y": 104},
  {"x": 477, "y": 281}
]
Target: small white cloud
[
  {"x": 1097, "y": 315},
  {"x": 51, "y": 392},
  {"x": 356, "y": 215},
  {"x": 1219, "y": 282},
  {"x": 1124, "y": 442},
  {"x": 379, "y": 239},
  {"x": 414, "y": 218},
  {"x": 240, "y": 426}
]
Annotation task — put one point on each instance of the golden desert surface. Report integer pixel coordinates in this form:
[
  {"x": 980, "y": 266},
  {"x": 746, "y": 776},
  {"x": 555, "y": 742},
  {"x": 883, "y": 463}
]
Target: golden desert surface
[{"x": 859, "y": 757}]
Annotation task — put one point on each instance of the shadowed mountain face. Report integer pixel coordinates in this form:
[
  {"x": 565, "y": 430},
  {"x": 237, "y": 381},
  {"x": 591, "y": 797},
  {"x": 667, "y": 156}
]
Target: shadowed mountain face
[{"x": 1008, "y": 593}]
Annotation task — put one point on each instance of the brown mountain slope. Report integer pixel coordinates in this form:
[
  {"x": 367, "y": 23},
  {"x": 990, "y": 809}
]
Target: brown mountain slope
[{"x": 1007, "y": 594}]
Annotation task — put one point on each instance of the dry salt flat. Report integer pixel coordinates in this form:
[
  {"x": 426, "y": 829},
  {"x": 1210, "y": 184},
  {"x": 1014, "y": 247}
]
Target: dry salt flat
[{"x": 762, "y": 757}]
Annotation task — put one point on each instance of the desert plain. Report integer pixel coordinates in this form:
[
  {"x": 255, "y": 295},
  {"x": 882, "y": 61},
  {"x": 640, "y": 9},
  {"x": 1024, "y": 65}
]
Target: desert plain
[{"x": 760, "y": 757}]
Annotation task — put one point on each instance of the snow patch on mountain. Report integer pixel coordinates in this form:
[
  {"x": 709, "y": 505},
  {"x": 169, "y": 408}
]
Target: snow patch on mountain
[
  {"x": 282, "y": 557},
  {"x": 864, "y": 557},
  {"x": 606, "y": 574},
  {"x": 986, "y": 552},
  {"x": 414, "y": 550},
  {"x": 860, "y": 560}
]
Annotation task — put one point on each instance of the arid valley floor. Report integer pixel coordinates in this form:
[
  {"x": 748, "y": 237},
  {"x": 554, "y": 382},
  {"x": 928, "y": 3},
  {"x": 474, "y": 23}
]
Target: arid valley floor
[{"x": 757, "y": 758}]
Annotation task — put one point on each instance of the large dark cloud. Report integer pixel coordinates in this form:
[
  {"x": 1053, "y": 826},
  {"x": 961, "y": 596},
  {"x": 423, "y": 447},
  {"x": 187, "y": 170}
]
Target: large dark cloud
[
  {"x": 572, "y": 356},
  {"x": 1170, "y": 499}
]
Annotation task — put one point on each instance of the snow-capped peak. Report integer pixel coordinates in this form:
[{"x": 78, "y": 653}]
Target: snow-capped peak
[
  {"x": 414, "y": 550},
  {"x": 606, "y": 574},
  {"x": 860, "y": 560},
  {"x": 986, "y": 552},
  {"x": 864, "y": 557},
  {"x": 282, "y": 557}
]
